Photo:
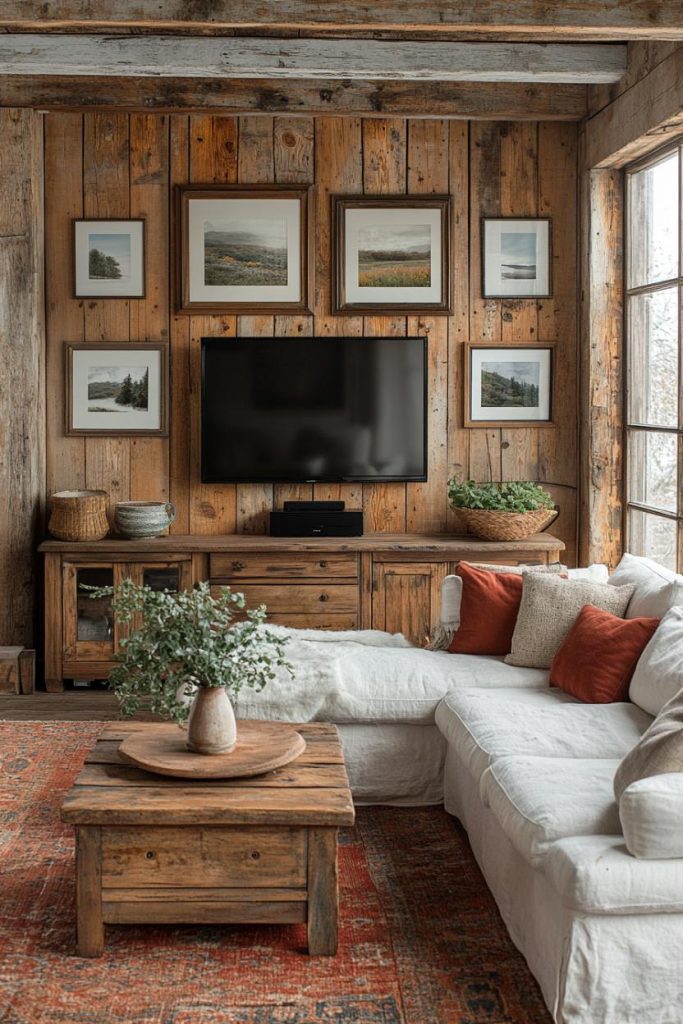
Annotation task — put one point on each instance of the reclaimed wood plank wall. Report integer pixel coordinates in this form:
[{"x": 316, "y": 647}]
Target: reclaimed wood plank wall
[
  {"x": 120, "y": 165},
  {"x": 22, "y": 386}
]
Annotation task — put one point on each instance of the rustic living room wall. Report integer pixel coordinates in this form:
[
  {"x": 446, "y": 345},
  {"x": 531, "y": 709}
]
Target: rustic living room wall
[{"x": 121, "y": 165}]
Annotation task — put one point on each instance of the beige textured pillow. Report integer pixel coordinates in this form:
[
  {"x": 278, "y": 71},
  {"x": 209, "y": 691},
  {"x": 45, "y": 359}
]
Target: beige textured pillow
[
  {"x": 549, "y": 607},
  {"x": 658, "y": 751}
]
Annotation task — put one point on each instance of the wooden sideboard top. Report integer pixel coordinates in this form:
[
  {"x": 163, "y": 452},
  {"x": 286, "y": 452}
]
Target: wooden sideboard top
[{"x": 188, "y": 543}]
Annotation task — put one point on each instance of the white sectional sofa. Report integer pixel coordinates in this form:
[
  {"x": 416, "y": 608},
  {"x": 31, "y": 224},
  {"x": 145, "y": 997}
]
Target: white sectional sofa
[{"x": 529, "y": 772}]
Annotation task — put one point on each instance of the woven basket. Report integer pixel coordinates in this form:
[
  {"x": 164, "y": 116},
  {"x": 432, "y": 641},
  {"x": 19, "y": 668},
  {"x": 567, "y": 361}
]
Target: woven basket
[
  {"x": 78, "y": 515},
  {"x": 493, "y": 525}
]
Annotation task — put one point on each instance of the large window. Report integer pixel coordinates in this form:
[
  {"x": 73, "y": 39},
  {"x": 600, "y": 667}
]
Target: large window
[{"x": 654, "y": 409}]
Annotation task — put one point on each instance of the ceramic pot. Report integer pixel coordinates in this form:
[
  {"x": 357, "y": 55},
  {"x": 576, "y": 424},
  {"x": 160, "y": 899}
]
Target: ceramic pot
[
  {"x": 211, "y": 727},
  {"x": 138, "y": 519}
]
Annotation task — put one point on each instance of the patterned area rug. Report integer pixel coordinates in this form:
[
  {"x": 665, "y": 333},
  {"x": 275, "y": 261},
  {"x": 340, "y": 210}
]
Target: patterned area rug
[{"x": 420, "y": 943}]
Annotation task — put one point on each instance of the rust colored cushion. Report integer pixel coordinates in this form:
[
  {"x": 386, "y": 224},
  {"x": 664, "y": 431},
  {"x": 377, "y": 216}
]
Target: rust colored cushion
[
  {"x": 488, "y": 611},
  {"x": 599, "y": 654}
]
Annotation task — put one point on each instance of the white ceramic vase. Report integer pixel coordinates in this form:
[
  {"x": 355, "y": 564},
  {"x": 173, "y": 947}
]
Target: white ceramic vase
[{"x": 211, "y": 727}]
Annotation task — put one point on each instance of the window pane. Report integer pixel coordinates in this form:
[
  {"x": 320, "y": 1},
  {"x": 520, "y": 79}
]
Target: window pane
[
  {"x": 652, "y": 536},
  {"x": 653, "y": 358},
  {"x": 653, "y": 223},
  {"x": 94, "y": 618},
  {"x": 652, "y": 469}
]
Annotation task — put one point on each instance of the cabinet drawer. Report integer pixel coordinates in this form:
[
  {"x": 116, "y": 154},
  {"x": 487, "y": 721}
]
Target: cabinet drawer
[
  {"x": 299, "y": 598},
  {"x": 262, "y": 565},
  {"x": 203, "y": 857}
]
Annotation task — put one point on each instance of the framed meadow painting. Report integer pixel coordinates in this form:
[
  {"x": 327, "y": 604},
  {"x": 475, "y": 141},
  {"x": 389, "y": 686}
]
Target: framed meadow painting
[
  {"x": 391, "y": 254},
  {"x": 242, "y": 249},
  {"x": 109, "y": 259},
  {"x": 516, "y": 255},
  {"x": 116, "y": 388},
  {"x": 508, "y": 386}
]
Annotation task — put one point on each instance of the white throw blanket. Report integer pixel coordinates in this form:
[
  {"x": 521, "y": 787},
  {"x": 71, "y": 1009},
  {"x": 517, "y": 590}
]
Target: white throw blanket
[{"x": 369, "y": 676}]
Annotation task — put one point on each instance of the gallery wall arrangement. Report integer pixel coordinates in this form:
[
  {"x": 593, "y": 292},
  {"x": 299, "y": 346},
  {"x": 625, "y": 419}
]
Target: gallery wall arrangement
[{"x": 174, "y": 228}]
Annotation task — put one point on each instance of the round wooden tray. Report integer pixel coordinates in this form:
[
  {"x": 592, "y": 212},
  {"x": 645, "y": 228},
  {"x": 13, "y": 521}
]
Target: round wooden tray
[{"x": 260, "y": 747}]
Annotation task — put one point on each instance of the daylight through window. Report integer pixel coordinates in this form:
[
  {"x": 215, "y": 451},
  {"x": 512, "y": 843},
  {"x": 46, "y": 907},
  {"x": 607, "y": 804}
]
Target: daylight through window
[{"x": 654, "y": 435}]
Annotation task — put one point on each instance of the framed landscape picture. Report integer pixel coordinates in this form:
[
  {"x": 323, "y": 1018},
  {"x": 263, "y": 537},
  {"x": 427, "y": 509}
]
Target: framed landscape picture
[
  {"x": 509, "y": 385},
  {"x": 391, "y": 254},
  {"x": 242, "y": 249},
  {"x": 109, "y": 259},
  {"x": 116, "y": 388},
  {"x": 516, "y": 257}
]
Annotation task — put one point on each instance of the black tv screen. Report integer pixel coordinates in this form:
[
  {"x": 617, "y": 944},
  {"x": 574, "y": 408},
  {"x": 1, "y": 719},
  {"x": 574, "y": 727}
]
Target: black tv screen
[{"x": 313, "y": 409}]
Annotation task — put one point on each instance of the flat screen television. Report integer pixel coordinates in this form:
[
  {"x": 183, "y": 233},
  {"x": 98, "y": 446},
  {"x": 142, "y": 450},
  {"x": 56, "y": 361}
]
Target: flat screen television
[{"x": 313, "y": 409}]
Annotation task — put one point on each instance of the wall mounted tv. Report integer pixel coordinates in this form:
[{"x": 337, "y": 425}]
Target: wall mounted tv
[{"x": 298, "y": 410}]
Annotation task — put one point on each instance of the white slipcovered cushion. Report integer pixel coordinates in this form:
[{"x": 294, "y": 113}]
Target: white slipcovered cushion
[
  {"x": 659, "y": 673},
  {"x": 656, "y": 589},
  {"x": 485, "y": 724},
  {"x": 597, "y": 875},
  {"x": 360, "y": 682},
  {"x": 651, "y": 812},
  {"x": 538, "y": 800}
]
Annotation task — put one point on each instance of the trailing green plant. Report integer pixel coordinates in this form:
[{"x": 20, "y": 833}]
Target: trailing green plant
[
  {"x": 174, "y": 642},
  {"x": 515, "y": 496}
]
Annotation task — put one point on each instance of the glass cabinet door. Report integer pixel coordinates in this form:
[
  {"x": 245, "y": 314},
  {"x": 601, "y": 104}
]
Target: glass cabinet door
[
  {"x": 162, "y": 577},
  {"x": 89, "y": 627}
]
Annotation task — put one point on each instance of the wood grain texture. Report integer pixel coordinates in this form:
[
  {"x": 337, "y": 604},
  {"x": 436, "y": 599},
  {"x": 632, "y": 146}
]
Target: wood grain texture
[
  {"x": 592, "y": 19},
  {"x": 22, "y": 370},
  {"x": 243, "y": 57},
  {"x": 464, "y": 100},
  {"x": 113, "y": 163},
  {"x": 323, "y": 892},
  {"x": 89, "y": 924}
]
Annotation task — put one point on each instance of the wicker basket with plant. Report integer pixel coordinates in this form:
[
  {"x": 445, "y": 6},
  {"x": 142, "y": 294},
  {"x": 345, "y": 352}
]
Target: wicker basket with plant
[{"x": 502, "y": 511}]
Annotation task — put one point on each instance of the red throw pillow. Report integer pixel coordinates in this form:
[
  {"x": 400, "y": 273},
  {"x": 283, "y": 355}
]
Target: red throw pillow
[
  {"x": 488, "y": 611},
  {"x": 599, "y": 654}
]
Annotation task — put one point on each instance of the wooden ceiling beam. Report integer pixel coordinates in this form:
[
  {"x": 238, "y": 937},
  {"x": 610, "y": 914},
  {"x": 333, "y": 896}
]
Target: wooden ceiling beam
[
  {"x": 560, "y": 19},
  {"x": 460, "y": 100},
  {"x": 644, "y": 117},
  {"x": 364, "y": 59}
]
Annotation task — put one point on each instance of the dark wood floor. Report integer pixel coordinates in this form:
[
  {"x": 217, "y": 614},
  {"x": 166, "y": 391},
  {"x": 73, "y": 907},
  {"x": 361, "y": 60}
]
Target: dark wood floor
[{"x": 71, "y": 706}]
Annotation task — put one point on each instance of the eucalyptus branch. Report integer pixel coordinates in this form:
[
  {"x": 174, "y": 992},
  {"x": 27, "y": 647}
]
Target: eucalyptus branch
[{"x": 175, "y": 640}]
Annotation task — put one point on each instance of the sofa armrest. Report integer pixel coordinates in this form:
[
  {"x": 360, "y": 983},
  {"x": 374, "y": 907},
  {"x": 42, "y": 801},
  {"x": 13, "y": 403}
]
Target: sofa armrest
[{"x": 651, "y": 813}]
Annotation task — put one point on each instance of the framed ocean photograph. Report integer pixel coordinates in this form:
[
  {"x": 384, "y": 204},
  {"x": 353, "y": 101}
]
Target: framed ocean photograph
[
  {"x": 116, "y": 388},
  {"x": 242, "y": 249},
  {"x": 509, "y": 385},
  {"x": 391, "y": 254},
  {"x": 516, "y": 255},
  {"x": 109, "y": 259}
]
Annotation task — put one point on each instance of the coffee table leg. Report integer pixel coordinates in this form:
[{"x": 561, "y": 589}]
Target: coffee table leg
[
  {"x": 89, "y": 926},
  {"x": 323, "y": 896}
]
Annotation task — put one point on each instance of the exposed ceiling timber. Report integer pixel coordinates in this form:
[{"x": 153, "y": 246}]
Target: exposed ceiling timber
[
  {"x": 367, "y": 60},
  {"x": 607, "y": 20},
  {"x": 463, "y": 100}
]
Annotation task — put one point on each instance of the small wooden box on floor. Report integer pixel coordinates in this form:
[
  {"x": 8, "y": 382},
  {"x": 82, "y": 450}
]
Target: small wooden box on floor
[
  {"x": 17, "y": 670},
  {"x": 156, "y": 850}
]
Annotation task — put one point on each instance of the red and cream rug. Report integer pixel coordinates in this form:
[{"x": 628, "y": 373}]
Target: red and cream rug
[{"x": 420, "y": 943}]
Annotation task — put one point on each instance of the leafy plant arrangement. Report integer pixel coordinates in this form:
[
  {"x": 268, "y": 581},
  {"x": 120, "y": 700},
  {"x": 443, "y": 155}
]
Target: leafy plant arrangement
[
  {"x": 516, "y": 496},
  {"x": 177, "y": 642}
]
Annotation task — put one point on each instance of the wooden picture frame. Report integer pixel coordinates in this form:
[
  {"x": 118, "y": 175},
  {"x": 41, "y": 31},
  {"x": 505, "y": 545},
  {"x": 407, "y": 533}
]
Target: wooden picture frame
[
  {"x": 496, "y": 283},
  {"x": 113, "y": 253},
  {"x": 362, "y": 282},
  {"x": 145, "y": 364},
  {"x": 510, "y": 407},
  {"x": 279, "y": 265}
]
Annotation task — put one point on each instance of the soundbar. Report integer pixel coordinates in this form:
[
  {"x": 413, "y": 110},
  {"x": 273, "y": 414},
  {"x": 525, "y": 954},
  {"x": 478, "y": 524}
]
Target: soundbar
[
  {"x": 314, "y": 506},
  {"x": 316, "y": 524}
]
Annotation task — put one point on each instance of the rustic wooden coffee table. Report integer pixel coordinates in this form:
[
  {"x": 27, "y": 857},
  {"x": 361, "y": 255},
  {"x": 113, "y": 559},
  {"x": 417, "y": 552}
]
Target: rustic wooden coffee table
[{"x": 152, "y": 849}]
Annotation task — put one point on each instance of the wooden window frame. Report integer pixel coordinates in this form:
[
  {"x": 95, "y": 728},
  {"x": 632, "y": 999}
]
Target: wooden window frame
[{"x": 630, "y": 428}]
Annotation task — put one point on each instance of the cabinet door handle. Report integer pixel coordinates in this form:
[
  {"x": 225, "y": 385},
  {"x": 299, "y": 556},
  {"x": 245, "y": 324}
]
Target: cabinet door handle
[
  {"x": 323, "y": 565},
  {"x": 237, "y": 566},
  {"x": 324, "y": 597}
]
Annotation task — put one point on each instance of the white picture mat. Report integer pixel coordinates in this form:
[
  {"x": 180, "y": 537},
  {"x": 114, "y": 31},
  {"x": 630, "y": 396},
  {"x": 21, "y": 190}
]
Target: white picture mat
[
  {"x": 494, "y": 283},
  {"x": 217, "y": 210},
  {"x": 355, "y": 219},
  {"x": 138, "y": 419},
  {"x": 486, "y": 413},
  {"x": 125, "y": 288}
]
